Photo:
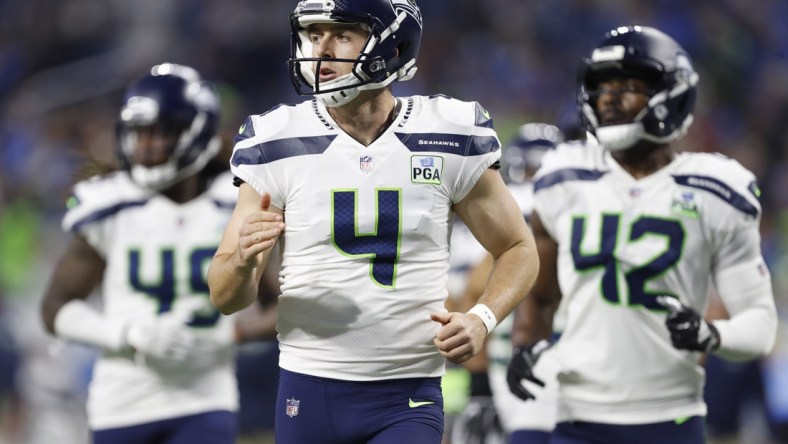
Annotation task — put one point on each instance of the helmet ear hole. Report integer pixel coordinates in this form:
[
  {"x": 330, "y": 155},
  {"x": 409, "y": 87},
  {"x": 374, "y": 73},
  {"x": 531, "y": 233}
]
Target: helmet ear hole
[
  {"x": 402, "y": 48},
  {"x": 683, "y": 103}
]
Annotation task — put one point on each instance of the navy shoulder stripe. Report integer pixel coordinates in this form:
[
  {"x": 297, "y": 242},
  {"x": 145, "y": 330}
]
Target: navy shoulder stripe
[
  {"x": 225, "y": 205},
  {"x": 107, "y": 212},
  {"x": 246, "y": 131},
  {"x": 720, "y": 190},
  {"x": 449, "y": 143},
  {"x": 281, "y": 149},
  {"x": 569, "y": 174},
  {"x": 483, "y": 117}
]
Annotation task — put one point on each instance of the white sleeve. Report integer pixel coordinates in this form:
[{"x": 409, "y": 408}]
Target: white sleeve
[
  {"x": 746, "y": 292},
  {"x": 78, "y": 321}
]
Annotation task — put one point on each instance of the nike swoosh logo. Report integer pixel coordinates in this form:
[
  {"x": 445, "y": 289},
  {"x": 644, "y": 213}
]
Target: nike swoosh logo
[{"x": 413, "y": 404}]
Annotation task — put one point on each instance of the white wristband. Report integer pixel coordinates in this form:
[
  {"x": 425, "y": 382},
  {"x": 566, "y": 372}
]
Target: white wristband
[
  {"x": 486, "y": 315},
  {"x": 78, "y": 321}
]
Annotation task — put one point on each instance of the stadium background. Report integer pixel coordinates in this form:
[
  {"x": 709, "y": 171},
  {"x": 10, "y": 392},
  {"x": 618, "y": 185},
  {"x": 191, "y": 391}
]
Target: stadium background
[{"x": 63, "y": 66}]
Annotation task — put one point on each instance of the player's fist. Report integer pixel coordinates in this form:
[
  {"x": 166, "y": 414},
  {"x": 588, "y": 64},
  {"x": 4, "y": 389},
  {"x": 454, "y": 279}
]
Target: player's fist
[
  {"x": 521, "y": 366},
  {"x": 164, "y": 339},
  {"x": 688, "y": 329},
  {"x": 460, "y": 336}
]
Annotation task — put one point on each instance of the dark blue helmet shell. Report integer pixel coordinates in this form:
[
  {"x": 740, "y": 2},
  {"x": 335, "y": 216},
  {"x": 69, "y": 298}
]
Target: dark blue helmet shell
[
  {"x": 651, "y": 55},
  {"x": 176, "y": 98}
]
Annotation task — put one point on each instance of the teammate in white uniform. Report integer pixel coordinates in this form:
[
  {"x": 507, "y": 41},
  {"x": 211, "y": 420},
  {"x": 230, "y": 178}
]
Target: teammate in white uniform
[
  {"x": 365, "y": 184},
  {"x": 630, "y": 233},
  {"x": 144, "y": 237}
]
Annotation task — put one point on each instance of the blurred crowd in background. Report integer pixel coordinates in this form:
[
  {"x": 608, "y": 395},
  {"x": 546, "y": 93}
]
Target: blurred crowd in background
[{"x": 64, "y": 65}]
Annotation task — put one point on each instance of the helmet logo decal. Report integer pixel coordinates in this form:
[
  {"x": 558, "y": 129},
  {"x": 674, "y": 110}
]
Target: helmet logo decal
[
  {"x": 608, "y": 53},
  {"x": 409, "y": 6},
  {"x": 324, "y": 5}
]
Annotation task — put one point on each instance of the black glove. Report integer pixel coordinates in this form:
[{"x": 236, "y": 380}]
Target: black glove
[
  {"x": 688, "y": 329},
  {"x": 521, "y": 366}
]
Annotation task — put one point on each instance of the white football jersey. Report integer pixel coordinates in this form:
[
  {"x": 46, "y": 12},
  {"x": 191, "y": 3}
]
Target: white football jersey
[
  {"x": 621, "y": 243},
  {"x": 366, "y": 245},
  {"x": 157, "y": 254}
]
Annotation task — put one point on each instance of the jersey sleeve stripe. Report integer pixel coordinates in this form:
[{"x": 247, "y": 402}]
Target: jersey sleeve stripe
[
  {"x": 566, "y": 175},
  {"x": 458, "y": 144},
  {"x": 274, "y": 150},
  {"x": 720, "y": 190},
  {"x": 223, "y": 204}
]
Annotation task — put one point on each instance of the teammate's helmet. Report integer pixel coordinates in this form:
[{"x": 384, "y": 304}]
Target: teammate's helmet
[
  {"x": 173, "y": 99},
  {"x": 389, "y": 53},
  {"x": 653, "y": 56},
  {"x": 523, "y": 155}
]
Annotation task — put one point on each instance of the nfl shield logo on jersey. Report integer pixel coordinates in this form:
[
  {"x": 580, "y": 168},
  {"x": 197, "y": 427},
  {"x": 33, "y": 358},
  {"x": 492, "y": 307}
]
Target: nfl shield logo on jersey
[
  {"x": 292, "y": 407},
  {"x": 366, "y": 163}
]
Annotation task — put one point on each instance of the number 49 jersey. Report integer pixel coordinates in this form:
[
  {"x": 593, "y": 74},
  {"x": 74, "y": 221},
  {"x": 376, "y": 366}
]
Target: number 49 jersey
[
  {"x": 157, "y": 254},
  {"x": 366, "y": 245},
  {"x": 621, "y": 243}
]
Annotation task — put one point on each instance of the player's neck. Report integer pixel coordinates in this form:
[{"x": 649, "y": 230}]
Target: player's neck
[
  {"x": 644, "y": 159},
  {"x": 368, "y": 116},
  {"x": 185, "y": 190}
]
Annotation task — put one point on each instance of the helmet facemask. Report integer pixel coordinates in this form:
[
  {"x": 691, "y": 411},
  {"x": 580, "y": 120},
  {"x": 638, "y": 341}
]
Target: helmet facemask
[{"x": 180, "y": 162}]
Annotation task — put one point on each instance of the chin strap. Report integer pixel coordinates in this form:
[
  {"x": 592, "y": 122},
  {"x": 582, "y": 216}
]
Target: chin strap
[{"x": 620, "y": 137}]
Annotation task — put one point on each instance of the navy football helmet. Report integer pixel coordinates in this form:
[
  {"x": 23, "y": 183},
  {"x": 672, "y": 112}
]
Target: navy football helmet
[
  {"x": 523, "y": 155},
  {"x": 653, "y": 56},
  {"x": 389, "y": 53},
  {"x": 174, "y": 100}
]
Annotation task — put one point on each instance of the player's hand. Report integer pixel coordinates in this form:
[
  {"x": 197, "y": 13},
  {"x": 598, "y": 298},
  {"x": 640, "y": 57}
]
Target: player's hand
[
  {"x": 166, "y": 339},
  {"x": 688, "y": 329},
  {"x": 521, "y": 366},
  {"x": 259, "y": 232},
  {"x": 460, "y": 336},
  {"x": 212, "y": 348}
]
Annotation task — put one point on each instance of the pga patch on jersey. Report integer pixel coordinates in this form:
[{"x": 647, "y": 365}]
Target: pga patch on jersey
[
  {"x": 426, "y": 169},
  {"x": 684, "y": 202}
]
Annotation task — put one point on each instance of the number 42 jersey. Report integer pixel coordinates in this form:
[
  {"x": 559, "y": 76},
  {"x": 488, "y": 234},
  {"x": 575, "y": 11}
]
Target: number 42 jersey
[
  {"x": 366, "y": 243},
  {"x": 621, "y": 243}
]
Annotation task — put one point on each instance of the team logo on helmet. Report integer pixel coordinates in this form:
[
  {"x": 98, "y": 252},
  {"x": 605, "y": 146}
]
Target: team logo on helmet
[{"x": 409, "y": 6}]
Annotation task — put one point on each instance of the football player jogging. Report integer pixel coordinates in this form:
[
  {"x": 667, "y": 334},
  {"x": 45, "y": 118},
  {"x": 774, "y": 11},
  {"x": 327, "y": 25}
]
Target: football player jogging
[
  {"x": 144, "y": 236},
  {"x": 631, "y": 232},
  {"x": 360, "y": 186}
]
